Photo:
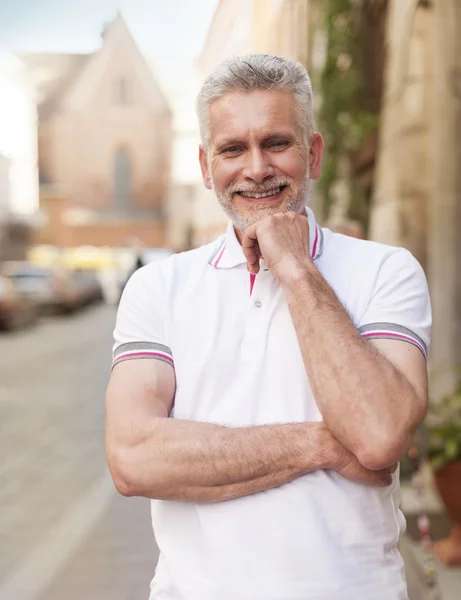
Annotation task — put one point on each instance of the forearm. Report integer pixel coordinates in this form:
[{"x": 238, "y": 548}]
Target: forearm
[
  {"x": 219, "y": 493},
  {"x": 202, "y": 462},
  {"x": 364, "y": 399}
]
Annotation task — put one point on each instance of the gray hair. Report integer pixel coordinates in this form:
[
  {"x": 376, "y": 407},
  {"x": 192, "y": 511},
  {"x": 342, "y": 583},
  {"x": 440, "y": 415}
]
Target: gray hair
[{"x": 253, "y": 72}]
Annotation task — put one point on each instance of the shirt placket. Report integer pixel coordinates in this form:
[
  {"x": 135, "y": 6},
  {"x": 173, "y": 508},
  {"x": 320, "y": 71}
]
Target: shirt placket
[{"x": 259, "y": 292}]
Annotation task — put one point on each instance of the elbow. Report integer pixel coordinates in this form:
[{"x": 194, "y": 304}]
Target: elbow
[
  {"x": 124, "y": 485},
  {"x": 376, "y": 455},
  {"x": 375, "y": 460},
  {"x": 385, "y": 446},
  {"x": 122, "y": 475}
]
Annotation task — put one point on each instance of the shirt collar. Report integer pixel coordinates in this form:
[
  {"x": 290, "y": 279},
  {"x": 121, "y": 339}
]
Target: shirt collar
[{"x": 229, "y": 252}]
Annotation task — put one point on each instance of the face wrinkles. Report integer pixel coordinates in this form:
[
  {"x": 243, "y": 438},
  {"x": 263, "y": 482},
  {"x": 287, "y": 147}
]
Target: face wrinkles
[{"x": 256, "y": 148}]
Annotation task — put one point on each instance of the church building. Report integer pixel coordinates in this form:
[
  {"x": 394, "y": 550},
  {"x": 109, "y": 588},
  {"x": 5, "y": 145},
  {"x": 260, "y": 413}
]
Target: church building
[{"x": 105, "y": 145}]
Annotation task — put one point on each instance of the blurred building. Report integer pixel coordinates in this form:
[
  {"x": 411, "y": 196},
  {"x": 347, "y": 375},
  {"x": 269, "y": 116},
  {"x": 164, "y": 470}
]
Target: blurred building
[
  {"x": 402, "y": 179},
  {"x": 180, "y": 82},
  {"x": 105, "y": 143},
  {"x": 19, "y": 197},
  {"x": 417, "y": 196}
]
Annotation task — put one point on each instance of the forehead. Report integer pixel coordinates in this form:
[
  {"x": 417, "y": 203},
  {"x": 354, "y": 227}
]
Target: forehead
[{"x": 240, "y": 114}]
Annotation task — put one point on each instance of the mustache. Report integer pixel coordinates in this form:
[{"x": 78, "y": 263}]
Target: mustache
[{"x": 266, "y": 186}]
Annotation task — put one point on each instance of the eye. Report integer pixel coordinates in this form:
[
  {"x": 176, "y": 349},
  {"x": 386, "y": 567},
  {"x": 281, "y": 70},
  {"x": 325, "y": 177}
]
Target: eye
[
  {"x": 232, "y": 150},
  {"x": 278, "y": 145}
]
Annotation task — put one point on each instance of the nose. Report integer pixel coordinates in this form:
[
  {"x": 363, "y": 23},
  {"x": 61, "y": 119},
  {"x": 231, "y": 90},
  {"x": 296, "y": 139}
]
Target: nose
[{"x": 258, "y": 167}]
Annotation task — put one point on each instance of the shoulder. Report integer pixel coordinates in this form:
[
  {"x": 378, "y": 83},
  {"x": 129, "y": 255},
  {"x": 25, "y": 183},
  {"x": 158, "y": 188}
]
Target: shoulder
[{"x": 365, "y": 257}]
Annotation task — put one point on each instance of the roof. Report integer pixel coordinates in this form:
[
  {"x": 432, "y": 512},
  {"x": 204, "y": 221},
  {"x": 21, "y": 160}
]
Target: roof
[{"x": 52, "y": 74}]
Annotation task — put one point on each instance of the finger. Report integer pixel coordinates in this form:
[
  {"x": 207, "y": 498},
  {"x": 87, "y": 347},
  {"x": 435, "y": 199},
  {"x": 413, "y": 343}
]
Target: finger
[
  {"x": 384, "y": 478},
  {"x": 393, "y": 468},
  {"x": 253, "y": 267},
  {"x": 251, "y": 249},
  {"x": 381, "y": 478}
]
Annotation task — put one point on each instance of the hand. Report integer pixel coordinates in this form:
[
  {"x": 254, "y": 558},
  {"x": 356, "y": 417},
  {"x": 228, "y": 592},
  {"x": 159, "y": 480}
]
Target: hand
[
  {"x": 350, "y": 468},
  {"x": 346, "y": 464},
  {"x": 282, "y": 240}
]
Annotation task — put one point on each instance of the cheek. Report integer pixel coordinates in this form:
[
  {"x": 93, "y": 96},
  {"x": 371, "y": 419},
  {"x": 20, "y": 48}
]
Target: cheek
[
  {"x": 224, "y": 174},
  {"x": 293, "y": 165}
]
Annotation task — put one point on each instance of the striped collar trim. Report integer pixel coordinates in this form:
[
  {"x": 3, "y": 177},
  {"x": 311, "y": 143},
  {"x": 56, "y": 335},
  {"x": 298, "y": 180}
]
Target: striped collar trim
[{"x": 228, "y": 253}]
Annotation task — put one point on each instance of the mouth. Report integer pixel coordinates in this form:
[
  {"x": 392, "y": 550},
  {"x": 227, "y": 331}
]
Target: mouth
[{"x": 274, "y": 193}]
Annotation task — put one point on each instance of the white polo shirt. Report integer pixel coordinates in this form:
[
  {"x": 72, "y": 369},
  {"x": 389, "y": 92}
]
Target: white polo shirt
[{"x": 238, "y": 363}]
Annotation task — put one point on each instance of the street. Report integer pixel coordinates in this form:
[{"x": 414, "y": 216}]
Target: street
[{"x": 64, "y": 531}]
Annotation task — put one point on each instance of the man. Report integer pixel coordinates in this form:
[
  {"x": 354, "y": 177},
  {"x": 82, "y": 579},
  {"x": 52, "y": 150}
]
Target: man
[{"x": 265, "y": 385}]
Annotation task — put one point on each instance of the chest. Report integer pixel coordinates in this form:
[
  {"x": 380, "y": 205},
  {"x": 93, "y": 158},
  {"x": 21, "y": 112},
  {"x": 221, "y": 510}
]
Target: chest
[{"x": 236, "y": 353}]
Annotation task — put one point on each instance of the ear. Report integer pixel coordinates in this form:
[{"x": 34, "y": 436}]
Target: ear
[
  {"x": 206, "y": 175},
  {"x": 316, "y": 155}
]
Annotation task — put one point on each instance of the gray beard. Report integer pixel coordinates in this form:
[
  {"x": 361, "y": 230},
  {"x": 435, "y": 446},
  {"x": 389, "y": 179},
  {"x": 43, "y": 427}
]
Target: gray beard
[{"x": 295, "y": 203}]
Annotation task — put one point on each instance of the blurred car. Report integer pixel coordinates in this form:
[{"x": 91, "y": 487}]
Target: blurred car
[
  {"x": 16, "y": 310},
  {"x": 87, "y": 286},
  {"x": 51, "y": 288}
]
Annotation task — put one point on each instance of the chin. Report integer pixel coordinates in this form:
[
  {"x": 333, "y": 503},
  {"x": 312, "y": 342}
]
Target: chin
[
  {"x": 243, "y": 218},
  {"x": 244, "y": 213}
]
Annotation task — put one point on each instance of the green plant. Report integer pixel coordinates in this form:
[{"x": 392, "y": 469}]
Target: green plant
[
  {"x": 345, "y": 115},
  {"x": 443, "y": 430}
]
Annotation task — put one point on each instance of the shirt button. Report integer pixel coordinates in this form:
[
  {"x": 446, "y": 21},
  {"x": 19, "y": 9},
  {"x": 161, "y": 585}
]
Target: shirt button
[{"x": 258, "y": 304}]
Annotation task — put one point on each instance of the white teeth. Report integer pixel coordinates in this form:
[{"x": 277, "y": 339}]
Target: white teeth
[{"x": 257, "y": 196}]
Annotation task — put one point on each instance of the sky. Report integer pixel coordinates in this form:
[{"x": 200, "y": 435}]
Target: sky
[{"x": 161, "y": 28}]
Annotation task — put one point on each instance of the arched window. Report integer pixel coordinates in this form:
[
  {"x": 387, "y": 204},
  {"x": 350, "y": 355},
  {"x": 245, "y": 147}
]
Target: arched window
[
  {"x": 123, "y": 180},
  {"x": 122, "y": 92}
]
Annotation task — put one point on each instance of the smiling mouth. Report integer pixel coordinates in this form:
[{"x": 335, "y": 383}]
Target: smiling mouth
[{"x": 257, "y": 196}]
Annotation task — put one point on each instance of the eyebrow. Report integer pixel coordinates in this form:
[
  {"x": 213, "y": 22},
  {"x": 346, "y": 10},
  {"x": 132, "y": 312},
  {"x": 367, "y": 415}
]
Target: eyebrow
[
  {"x": 279, "y": 137},
  {"x": 229, "y": 142}
]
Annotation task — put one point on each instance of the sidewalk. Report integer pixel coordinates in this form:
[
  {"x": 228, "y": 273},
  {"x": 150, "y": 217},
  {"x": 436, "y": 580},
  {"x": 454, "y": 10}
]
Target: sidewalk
[
  {"x": 115, "y": 562},
  {"x": 449, "y": 580}
]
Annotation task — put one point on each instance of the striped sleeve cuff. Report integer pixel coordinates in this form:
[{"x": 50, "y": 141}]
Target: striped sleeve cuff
[
  {"x": 133, "y": 350},
  {"x": 392, "y": 331}
]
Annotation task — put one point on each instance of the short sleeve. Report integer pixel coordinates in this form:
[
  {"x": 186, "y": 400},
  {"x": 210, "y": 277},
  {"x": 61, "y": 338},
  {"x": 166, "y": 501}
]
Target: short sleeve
[
  {"x": 400, "y": 306},
  {"x": 140, "y": 326}
]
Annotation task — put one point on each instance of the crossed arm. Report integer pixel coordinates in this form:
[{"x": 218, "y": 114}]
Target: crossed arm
[
  {"x": 158, "y": 457},
  {"x": 372, "y": 395},
  {"x": 153, "y": 456}
]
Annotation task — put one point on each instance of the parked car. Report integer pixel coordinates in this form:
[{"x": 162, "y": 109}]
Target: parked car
[
  {"x": 87, "y": 286},
  {"x": 16, "y": 310},
  {"x": 51, "y": 288}
]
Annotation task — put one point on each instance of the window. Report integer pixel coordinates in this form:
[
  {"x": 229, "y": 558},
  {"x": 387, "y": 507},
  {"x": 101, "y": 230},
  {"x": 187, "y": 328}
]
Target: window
[
  {"x": 122, "y": 92},
  {"x": 123, "y": 180}
]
